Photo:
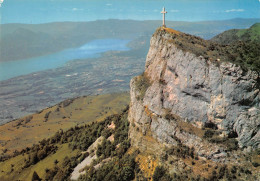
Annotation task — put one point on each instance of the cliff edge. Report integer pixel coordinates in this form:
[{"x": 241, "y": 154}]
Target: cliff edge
[{"x": 191, "y": 94}]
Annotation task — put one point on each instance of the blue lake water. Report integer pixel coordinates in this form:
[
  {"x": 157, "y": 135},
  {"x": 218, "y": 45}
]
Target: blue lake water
[{"x": 90, "y": 50}]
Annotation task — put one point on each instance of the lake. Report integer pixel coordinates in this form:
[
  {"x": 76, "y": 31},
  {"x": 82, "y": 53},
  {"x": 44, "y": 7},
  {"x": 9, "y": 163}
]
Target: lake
[{"x": 92, "y": 49}]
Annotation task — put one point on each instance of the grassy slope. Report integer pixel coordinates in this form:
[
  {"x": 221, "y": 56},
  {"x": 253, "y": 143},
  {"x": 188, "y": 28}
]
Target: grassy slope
[
  {"x": 251, "y": 34},
  {"x": 230, "y": 36},
  {"x": 25, "y": 174},
  {"x": 18, "y": 134},
  {"x": 243, "y": 45},
  {"x": 15, "y": 169}
]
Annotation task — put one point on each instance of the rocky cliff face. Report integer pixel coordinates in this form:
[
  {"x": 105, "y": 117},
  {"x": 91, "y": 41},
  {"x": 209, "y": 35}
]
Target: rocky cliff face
[{"x": 186, "y": 90}]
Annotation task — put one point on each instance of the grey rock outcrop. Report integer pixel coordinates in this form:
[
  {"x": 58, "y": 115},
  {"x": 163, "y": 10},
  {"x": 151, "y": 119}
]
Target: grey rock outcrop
[{"x": 198, "y": 91}]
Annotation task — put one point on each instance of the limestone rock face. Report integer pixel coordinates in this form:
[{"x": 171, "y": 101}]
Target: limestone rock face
[{"x": 198, "y": 91}]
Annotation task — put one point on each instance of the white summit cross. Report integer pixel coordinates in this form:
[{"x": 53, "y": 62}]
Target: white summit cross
[{"x": 164, "y": 12}]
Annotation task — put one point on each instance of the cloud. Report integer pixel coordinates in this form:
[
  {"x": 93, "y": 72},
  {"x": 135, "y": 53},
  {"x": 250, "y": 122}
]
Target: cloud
[
  {"x": 108, "y": 4},
  {"x": 77, "y": 9},
  {"x": 1, "y": 1},
  {"x": 174, "y": 10},
  {"x": 234, "y": 10}
]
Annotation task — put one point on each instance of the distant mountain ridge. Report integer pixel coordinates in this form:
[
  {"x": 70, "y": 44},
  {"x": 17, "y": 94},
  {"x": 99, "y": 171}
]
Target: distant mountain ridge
[{"x": 23, "y": 41}]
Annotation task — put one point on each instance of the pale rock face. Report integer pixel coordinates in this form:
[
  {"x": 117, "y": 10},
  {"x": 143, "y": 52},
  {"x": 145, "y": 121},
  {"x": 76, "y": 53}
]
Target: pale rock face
[{"x": 198, "y": 91}]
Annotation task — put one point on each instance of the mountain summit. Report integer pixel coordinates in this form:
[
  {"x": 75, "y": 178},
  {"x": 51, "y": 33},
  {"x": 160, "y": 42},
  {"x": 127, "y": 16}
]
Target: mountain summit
[{"x": 190, "y": 91}]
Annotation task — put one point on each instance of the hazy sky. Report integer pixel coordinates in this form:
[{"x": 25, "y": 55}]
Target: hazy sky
[{"x": 41, "y": 11}]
